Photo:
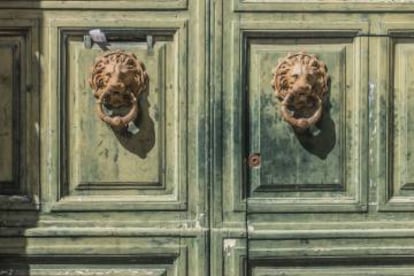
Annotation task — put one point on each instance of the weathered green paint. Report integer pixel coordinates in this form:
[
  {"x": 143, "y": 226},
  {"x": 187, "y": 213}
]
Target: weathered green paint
[
  {"x": 96, "y": 153},
  {"x": 317, "y": 165},
  {"x": 149, "y": 206},
  {"x": 300, "y": 211},
  {"x": 402, "y": 131},
  {"x": 108, "y": 163},
  {"x": 311, "y": 169},
  {"x": 180, "y": 199}
]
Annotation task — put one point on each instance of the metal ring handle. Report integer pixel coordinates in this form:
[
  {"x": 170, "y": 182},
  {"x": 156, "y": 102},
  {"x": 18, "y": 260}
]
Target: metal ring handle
[
  {"x": 301, "y": 123},
  {"x": 117, "y": 121}
]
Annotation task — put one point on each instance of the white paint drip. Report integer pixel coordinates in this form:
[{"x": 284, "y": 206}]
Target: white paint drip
[
  {"x": 200, "y": 220},
  {"x": 250, "y": 228},
  {"x": 132, "y": 128},
  {"x": 229, "y": 244},
  {"x": 37, "y": 128}
]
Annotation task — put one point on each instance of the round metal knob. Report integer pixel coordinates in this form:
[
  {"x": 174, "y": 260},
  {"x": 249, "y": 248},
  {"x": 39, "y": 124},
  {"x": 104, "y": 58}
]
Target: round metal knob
[{"x": 254, "y": 160}]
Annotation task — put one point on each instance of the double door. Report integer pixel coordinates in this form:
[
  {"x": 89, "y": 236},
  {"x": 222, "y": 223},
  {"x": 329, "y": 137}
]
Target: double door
[{"x": 178, "y": 195}]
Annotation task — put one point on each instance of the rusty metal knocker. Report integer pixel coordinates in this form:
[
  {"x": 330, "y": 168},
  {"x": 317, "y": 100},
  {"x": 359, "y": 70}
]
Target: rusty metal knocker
[
  {"x": 118, "y": 78},
  {"x": 300, "y": 82}
]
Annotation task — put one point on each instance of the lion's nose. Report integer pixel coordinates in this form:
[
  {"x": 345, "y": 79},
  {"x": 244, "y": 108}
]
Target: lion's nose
[
  {"x": 302, "y": 86},
  {"x": 116, "y": 86}
]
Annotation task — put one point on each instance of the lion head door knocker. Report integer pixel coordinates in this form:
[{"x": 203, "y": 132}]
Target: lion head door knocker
[
  {"x": 118, "y": 78},
  {"x": 300, "y": 82}
]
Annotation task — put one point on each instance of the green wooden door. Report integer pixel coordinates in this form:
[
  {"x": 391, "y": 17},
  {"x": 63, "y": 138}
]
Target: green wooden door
[
  {"x": 336, "y": 200},
  {"x": 89, "y": 200},
  {"x": 178, "y": 197}
]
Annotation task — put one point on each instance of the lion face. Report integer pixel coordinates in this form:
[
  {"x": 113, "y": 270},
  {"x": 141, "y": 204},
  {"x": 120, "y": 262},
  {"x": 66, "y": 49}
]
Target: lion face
[
  {"x": 118, "y": 79},
  {"x": 300, "y": 81},
  {"x": 116, "y": 76}
]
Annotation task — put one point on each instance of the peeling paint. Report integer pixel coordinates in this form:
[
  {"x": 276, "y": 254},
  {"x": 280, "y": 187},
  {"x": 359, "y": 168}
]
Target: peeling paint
[
  {"x": 15, "y": 198},
  {"x": 229, "y": 244},
  {"x": 200, "y": 220},
  {"x": 371, "y": 184},
  {"x": 7, "y": 272},
  {"x": 250, "y": 228},
  {"x": 371, "y": 98},
  {"x": 37, "y": 128}
]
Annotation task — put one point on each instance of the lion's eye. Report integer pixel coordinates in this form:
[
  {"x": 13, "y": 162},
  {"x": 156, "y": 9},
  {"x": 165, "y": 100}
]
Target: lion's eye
[
  {"x": 101, "y": 83},
  {"x": 295, "y": 76}
]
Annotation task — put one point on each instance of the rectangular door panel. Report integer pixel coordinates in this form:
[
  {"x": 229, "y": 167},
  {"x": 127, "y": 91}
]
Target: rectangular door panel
[
  {"x": 112, "y": 256},
  {"x": 94, "y": 4},
  {"x": 99, "y": 156},
  {"x": 402, "y": 187},
  {"x": 9, "y": 107},
  {"x": 308, "y": 172},
  {"x": 323, "y": 170},
  {"x": 92, "y": 170},
  {"x": 294, "y": 257},
  {"x": 397, "y": 178},
  {"x": 319, "y": 167},
  {"x": 19, "y": 119},
  {"x": 340, "y": 271},
  {"x": 320, "y": 5},
  {"x": 368, "y": 256},
  {"x": 139, "y": 168}
]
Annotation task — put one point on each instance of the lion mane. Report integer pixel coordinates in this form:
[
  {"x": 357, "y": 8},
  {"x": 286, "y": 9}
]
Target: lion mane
[
  {"x": 121, "y": 65},
  {"x": 284, "y": 76}
]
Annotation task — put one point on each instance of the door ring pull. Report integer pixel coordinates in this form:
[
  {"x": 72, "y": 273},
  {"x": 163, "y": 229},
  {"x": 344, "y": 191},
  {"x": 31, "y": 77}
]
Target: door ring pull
[
  {"x": 301, "y": 123},
  {"x": 117, "y": 121}
]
